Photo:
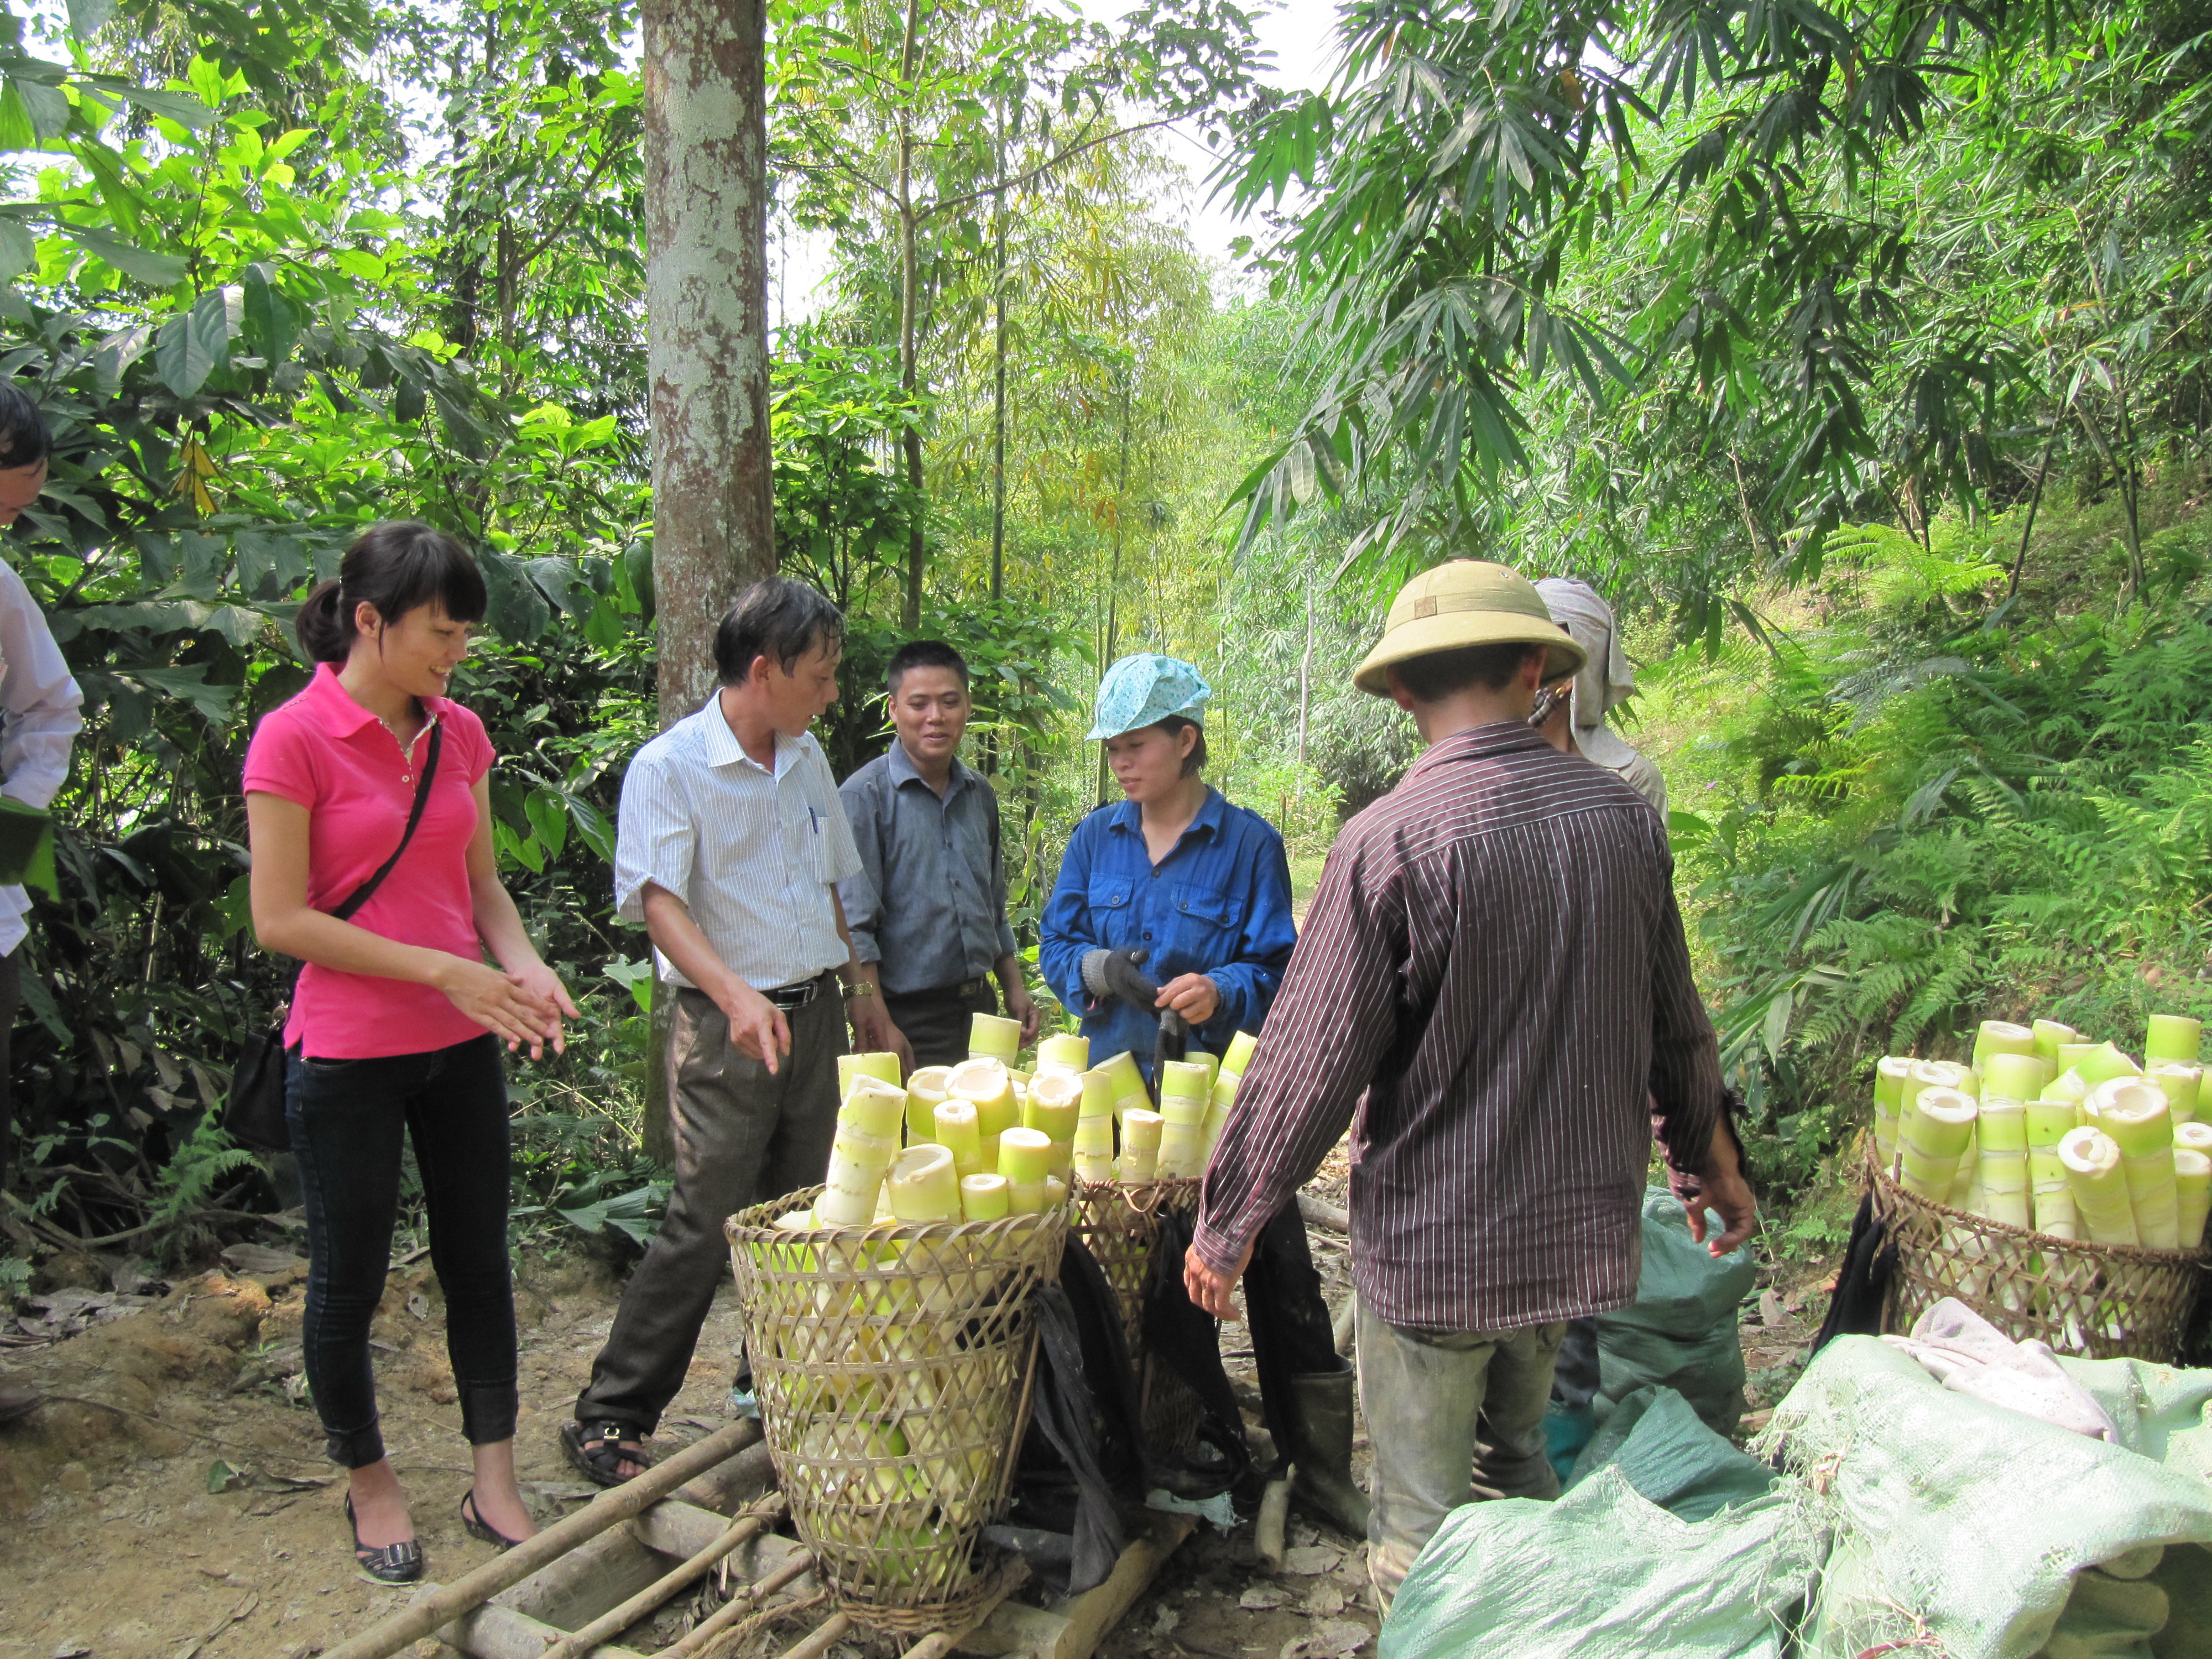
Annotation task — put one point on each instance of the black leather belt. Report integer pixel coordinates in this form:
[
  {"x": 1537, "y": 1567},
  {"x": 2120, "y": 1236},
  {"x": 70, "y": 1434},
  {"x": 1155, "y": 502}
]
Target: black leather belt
[
  {"x": 966, "y": 987},
  {"x": 789, "y": 997}
]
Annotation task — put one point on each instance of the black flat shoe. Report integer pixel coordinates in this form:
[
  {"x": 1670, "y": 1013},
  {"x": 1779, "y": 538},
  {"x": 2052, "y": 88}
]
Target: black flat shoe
[
  {"x": 386, "y": 1564},
  {"x": 478, "y": 1527}
]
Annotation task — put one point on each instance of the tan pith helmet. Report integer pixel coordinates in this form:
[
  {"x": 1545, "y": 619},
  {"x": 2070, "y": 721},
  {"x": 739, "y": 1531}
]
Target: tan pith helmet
[{"x": 1461, "y": 603}]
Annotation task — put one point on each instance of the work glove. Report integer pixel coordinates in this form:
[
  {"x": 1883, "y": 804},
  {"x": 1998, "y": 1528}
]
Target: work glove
[{"x": 1119, "y": 975}]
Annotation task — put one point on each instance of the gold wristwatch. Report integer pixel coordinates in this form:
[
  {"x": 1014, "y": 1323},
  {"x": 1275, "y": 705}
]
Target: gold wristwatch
[{"x": 860, "y": 987}]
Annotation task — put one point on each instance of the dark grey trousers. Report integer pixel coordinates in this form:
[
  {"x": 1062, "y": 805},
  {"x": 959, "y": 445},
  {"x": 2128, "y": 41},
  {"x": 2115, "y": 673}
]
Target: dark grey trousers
[
  {"x": 936, "y": 1023},
  {"x": 742, "y": 1137}
]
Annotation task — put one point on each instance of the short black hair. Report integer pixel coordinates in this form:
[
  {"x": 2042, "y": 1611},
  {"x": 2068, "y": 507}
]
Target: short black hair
[
  {"x": 24, "y": 438},
  {"x": 398, "y": 566},
  {"x": 774, "y": 617},
  {"x": 1441, "y": 674},
  {"x": 1194, "y": 761},
  {"x": 923, "y": 653}
]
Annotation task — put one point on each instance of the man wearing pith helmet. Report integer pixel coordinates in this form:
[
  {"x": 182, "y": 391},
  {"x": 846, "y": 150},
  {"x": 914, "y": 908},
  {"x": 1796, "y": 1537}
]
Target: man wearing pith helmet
[{"x": 1492, "y": 977}]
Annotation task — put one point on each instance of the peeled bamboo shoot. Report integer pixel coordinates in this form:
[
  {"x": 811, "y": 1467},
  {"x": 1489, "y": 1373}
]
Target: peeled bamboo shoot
[
  {"x": 2001, "y": 1036},
  {"x": 858, "y": 1163},
  {"x": 983, "y": 1197},
  {"x": 1129, "y": 1091},
  {"x": 1938, "y": 1122},
  {"x": 986, "y": 1086},
  {"x": 1241, "y": 1048},
  {"x": 882, "y": 1065},
  {"x": 2173, "y": 1037},
  {"x": 2193, "y": 1184},
  {"x": 2197, "y": 1137},
  {"x": 2001, "y": 1134},
  {"x": 2135, "y": 1116},
  {"x": 923, "y": 1090},
  {"x": 2181, "y": 1085},
  {"x": 924, "y": 1185},
  {"x": 1183, "y": 1079},
  {"x": 955, "y": 1121},
  {"x": 2015, "y": 1076},
  {"x": 2094, "y": 1171},
  {"x": 2049, "y": 1122},
  {"x": 1183, "y": 1141},
  {"x": 1140, "y": 1147},
  {"x": 1063, "y": 1053},
  {"x": 992, "y": 1036},
  {"x": 2049, "y": 1034},
  {"x": 2104, "y": 1063},
  {"x": 1094, "y": 1149},
  {"x": 1025, "y": 1156},
  {"x": 1890, "y": 1074}
]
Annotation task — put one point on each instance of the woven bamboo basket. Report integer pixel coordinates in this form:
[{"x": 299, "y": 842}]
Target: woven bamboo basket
[
  {"x": 1120, "y": 1227},
  {"x": 2095, "y": 1301},
  {"x": 893, "y": 1365}
]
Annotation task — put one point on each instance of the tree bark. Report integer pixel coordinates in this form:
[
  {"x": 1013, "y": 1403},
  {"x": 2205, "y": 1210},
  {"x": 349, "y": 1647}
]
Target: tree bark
[
  {"x": 909, "y": 295},
  {"x": 706, "y": 299},
  {"x": 999, "y": 383},
  {"x": 1114, "y": 579}
]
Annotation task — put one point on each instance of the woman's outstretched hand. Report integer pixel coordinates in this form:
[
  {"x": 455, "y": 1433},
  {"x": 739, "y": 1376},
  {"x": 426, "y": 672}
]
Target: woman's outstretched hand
[{"x": 522, "y": 1009}]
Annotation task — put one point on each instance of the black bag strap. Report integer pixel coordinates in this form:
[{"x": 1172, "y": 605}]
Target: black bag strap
[{"x": 367, "y": 891}]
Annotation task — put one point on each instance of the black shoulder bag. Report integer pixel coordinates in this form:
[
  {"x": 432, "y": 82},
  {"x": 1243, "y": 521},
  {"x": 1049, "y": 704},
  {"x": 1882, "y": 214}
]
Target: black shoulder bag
[{"x": 254, "y": 1114}]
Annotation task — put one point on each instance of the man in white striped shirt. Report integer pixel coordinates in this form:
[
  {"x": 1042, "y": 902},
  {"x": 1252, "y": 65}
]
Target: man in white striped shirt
[{"x": 731, "y": 841}]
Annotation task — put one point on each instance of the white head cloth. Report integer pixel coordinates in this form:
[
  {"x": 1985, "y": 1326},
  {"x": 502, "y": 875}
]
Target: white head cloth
[{"x": 1606, "y": 679}]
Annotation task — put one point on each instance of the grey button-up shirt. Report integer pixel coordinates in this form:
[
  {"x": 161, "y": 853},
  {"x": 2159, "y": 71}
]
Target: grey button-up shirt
[{"x": 930, "y": 902}]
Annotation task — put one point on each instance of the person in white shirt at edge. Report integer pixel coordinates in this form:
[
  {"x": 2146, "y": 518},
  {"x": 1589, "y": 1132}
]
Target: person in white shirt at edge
[
  {"x": 1574, "y": 719},
  {"x": 38, "y": 704},
  {"x": 731, "y": 843}
]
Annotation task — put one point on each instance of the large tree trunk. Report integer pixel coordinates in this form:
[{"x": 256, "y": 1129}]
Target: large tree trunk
[
  {"x": 705, "y": 302},
  {"x": 909, "y": 345}
]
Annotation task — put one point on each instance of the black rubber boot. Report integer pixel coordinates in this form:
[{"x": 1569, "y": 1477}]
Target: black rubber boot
[{"x": 1323, "y": 1405}]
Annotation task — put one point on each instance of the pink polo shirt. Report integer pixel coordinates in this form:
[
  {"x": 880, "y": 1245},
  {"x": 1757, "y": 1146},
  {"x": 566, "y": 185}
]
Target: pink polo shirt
[{"x": 326, "y": 751}]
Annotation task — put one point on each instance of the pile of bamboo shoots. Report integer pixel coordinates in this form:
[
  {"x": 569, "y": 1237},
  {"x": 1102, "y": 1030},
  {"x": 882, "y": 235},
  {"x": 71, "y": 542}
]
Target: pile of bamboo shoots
[
  {"x": 983, "y": 1139},
  {"x": 2047, "y": 1130}
]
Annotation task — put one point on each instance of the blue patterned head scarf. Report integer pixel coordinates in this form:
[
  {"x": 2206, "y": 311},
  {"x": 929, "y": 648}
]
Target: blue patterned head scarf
[{"x": 1144, "y": 690}]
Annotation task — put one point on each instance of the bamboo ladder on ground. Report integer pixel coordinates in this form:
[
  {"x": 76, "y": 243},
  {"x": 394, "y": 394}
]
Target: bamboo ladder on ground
[{"x": 568, "y": 1591}]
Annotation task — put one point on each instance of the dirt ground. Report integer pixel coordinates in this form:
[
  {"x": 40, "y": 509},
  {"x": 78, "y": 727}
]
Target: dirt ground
[{"x": 170, "y": 1500}]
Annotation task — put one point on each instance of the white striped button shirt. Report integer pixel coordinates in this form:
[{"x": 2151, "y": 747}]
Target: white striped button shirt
[
  {"x": 1493, "y": 974},
  {"x": 754, "y": 854}
]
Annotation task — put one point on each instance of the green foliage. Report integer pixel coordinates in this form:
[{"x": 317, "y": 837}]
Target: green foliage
[
  {"x": 1933, "y": 806},
  {"x": 1663, "y": 295},
  {"x": 189, "y": 1181}
]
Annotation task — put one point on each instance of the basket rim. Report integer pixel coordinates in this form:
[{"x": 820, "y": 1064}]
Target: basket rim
[
  {"x": 1145, "y": 1197},
  {"x": 740, "y": 1228},
  {"x": 2142, "y": 1255}
]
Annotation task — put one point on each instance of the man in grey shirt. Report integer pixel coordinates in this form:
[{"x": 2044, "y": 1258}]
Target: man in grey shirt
[{"x": 928, "y": 909}]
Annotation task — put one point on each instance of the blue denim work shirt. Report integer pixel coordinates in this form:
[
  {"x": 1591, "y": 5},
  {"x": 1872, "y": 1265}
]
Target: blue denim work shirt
[{"x": 1219, "y": 905}]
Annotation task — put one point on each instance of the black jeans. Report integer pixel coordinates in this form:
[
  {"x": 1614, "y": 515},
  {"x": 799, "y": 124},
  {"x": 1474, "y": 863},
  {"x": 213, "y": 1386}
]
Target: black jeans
[{"x": 347, "y": 1117}]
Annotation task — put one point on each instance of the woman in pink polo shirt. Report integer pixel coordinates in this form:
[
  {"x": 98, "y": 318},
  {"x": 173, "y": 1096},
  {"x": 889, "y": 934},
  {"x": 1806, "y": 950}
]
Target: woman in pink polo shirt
[{"x": 397, "y": 1022}]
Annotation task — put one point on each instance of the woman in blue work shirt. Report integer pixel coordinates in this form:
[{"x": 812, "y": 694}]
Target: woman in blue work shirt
[
  {"x": 1175, "y": 871},
  {"x": 1204, "y": 889}
]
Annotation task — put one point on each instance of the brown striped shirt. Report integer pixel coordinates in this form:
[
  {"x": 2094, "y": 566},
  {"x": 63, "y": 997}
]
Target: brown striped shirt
[{"x": 1492, "y": 976}]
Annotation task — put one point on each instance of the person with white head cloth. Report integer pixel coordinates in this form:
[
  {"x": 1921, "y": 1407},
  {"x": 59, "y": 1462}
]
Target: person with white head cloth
[{"x": 1603, "y": 683}]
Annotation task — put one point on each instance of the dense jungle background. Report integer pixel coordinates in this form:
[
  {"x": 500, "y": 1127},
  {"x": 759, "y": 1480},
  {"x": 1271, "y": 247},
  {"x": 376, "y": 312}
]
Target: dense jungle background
[{"x": 1859, "y": 356}]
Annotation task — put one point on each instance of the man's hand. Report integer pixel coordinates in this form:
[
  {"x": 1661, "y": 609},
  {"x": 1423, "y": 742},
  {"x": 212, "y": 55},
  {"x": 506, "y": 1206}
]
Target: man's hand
[
  {"x": 1726, "y": 1191},
  {"x": 1194, "y": 996},
  {"x": 757, "y": 1026},
  {"x": 1210, "y": 1290},
  {"x": 1021, "y": 1006},
  {"x": 873, "y": 1032}
]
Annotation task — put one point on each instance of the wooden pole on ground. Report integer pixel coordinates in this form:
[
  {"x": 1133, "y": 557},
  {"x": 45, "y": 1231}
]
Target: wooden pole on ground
[
  {"x": 753, "y": 1595},
  {"x": 827, "y": 1634},
  {"x": 620, "y": 1618},
  {"x": 620, "y": 1503}
]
